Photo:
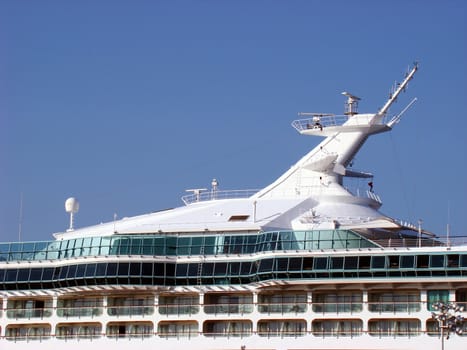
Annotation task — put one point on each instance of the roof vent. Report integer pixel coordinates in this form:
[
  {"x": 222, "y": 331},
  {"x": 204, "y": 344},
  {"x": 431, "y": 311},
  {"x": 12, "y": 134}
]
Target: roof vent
[{"x": 239, "y": 217}]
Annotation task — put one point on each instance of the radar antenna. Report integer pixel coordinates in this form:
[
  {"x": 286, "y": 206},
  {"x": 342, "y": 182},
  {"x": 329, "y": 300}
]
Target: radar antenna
[
  {"x": 71, "y": 207},
  {"x": 351, "y": 105}
]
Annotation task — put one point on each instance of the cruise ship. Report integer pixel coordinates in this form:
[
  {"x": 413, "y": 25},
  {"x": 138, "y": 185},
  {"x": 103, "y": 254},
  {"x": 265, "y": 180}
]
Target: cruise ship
[{"x": 307, "y": 262}]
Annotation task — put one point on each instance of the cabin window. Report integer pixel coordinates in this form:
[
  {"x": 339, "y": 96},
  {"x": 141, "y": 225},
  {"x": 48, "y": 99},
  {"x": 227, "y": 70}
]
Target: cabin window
[
  {"x": 394, "y": 327},
  {"x": 422, "y": 261},
  {"x": 266, "y": 265},
  {"x": 337, "y": 263},
  {"x": 282, "y": 302},
  {"x": 393, "y": 261},
  {"x": 364, "y": 262},
  {"x": 407, "y": 261},
  {"x": 394, "y": 301},
  {"x": 181, "y": 270},
  {"x": 435, "y": 296},
  {"x": 320, "y": 263},
  {"x": 227, "y": 328},
  {"x": 453, "y": 261},
  {"x": 334, "y": 328},
  {"x": 295, "y": 264},
  {"x": 463, "y": 260},
  {"x": 348, "y": 301},
  {"x": 461, "y": 298},
  {"x": 178, "y": 304},
  {"x": 280, "y": 328},
  {"x": 220, "y": 269},
  {"x": 378, "y": 262},
  {"x": 351, "y": 262},
  {"x": 177, "y": 329},
  {"x": 35, "y": 274},
  {"x": 437, "y": 261}
]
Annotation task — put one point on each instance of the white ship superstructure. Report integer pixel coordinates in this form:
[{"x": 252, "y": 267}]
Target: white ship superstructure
[{"x": 304, "y": 263}]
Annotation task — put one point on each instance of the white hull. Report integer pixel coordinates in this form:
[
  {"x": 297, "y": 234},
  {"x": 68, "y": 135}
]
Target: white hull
[{"x": 254, "y": 342}]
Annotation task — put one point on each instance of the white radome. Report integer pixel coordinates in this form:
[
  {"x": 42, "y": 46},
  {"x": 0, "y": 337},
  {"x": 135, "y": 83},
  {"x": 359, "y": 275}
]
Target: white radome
[{"x": 71, "y": 205}]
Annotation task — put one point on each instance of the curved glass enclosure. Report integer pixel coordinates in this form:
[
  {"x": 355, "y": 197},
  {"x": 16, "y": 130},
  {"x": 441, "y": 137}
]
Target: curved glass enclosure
[{"x": 184, "y": 245}]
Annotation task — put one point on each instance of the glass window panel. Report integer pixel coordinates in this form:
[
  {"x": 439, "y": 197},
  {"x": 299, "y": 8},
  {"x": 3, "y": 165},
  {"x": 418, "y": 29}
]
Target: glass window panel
[
  {"x": 196, "y": 245},
  {"x": 321, "y": 263},
  {"x": 71, "y": 272},
  {"x": 23, "y": 275},
  {"x": 221, "y": 328},
  {"x": 351, "y": 262},
  {"x": 307, "y": 264},
  {"x": 63, "y": 272},
  {"x": 159, "y": 246},
  {"x": 112, "y": 269},
  {"x": 36, "y": 274},
  {"x": 208, "y": 268},
  {"x": 435, "y": 296},
  {"x": 282, "y": 264},
  {"x": 281, "y": 328},
  {"x": 181, "y": 270},
  {"x": 177, "y": 329},
  {"x": 337, "y": 263},
  {"x": 47, "y": 274},
  {"x": 422, "y": 261},
  {"x": 80, "y": 271},
  {"x": 184, "y": 245},
  {"x": 393, "y": 261},
  {"x": 100, "y": 269},
  {"x": 91, "y": 270},
  {"x": 220, "y": 269},
  {"x": 171, "y": 245},
  {"x": 123, "y": 269},
  {"x": 396, "y": 327},
  {"x": 210, "y": 246},
  {"x": 295, "y": 264},
  {"x": 378, "y": 262},
  {"x": 135, "y": 269},
  {"x": 193, "y": 270},
  {"x": 146, "y": 269},
  {"x": 234, "y": 268},
  {"x": 463, "y": 261},
  {"x": 364, "y": 262},
  {"x": 246, "y": 267},
  {"x": 159, "y": 270},
  {"x": 169, "y": 270},
  {"x": 341, "y": 327},
  {"x": 453, "y": 260},
  {"x": 265, "y": 265},
  {"x": 407, "y": 261},
  {"x": 437, "y": 260},
  {"x": 11, "y": 275}
]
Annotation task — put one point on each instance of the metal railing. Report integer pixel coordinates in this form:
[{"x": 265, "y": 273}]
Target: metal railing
[{"x": 210, "y": 195}]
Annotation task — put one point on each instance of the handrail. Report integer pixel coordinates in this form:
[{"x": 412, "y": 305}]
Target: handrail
[{"x": 210, "y": 195}]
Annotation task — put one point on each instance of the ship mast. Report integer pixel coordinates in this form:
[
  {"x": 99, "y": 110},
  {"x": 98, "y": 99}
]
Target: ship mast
[{"x": 401, "y": 87}]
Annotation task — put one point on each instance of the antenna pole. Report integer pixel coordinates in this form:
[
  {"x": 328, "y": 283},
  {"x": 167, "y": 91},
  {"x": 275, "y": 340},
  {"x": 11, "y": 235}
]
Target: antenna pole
[
  {"x": 71, "y": 222},
  {"x": 448, "y": 228},
  {"x": 399, "y": 89},
  {"x": 20, "y": 216}
]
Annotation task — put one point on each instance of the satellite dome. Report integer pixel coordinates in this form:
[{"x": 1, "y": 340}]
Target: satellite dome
[{"x": 71, "y": 205}]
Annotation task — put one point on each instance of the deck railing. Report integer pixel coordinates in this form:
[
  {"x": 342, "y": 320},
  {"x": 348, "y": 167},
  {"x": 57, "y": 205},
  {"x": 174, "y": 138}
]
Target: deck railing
[{"x": 209, "y": 195}]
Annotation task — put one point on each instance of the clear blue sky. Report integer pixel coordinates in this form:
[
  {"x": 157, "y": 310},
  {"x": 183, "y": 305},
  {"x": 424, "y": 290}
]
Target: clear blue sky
[{"x": 125, "y": 104}]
